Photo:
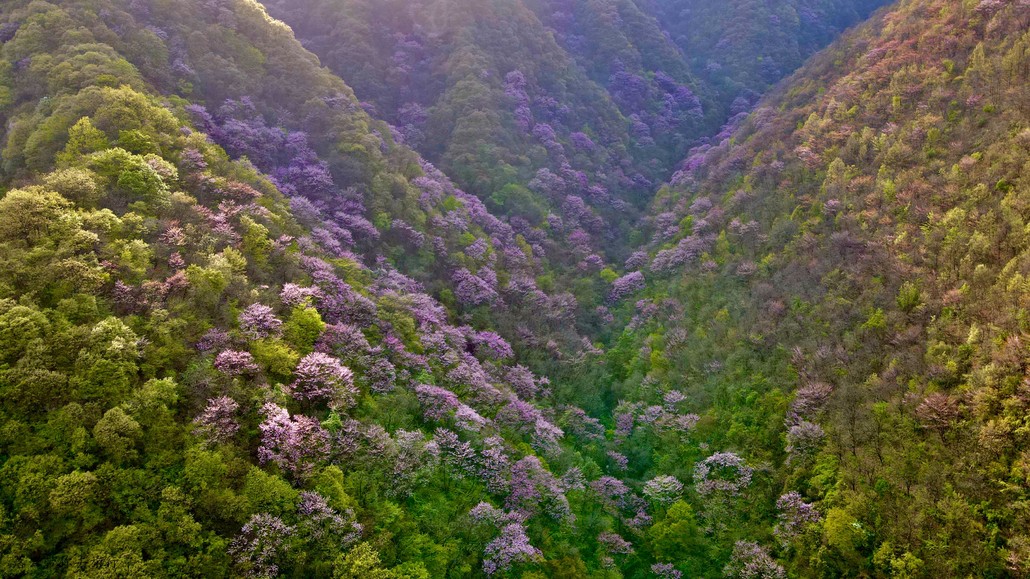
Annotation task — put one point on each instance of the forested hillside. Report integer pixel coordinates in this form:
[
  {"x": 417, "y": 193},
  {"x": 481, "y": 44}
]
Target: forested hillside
[
  {"x": 838, "y": 290},
  {"x": 211, "y": 362},
  {"x": 539, "y": 107},
  {"x": 254, "y": 323},
  {"x": 742, "y": 47}
]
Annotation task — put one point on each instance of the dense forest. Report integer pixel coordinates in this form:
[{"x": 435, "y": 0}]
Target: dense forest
[{"x": 559, "y": 288}]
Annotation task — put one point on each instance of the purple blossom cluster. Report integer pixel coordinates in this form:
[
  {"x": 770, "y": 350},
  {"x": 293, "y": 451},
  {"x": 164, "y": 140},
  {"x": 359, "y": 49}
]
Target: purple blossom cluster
[
  {"x": 293, "y": 295},
  {"x": 495, "y": 466},
  {"x": 381, "y": 376},
  {"x": 804, "y": 438},
  {"x": 484, "y": 512},
  {"x": 339, "y": 302},
  {"x": 666, "y": 571},
  {"x": 217, "y": 423},
  {"x": 294, "y": 444},
  {"x": 723, "y": 472},
  {"x": 437, "y": 403},
  {"x": 456, "y": 454},
  {"x": 524, "y": 383},
  {"x": 626, "y": 285},
  {"x": 259, "y": 548},
  {"x": 472, "y": 290},
  {"x": 320, "y": 521},
  {"x": 525, "y": 418},
  {"x": 493, "y": 345},
  {"x": 534, "y": 490},
  {"x": 614, "y": 494},
  {"x": 320, "y": 377},
  {"x": 614, "y": 544},
  {"x": 663, "y": 489},
  {"x": 752, "y": 561},
  {"x": 235, "y": 363},
  {"x": 515, "y": 89},
  {"x": 810, "y": 398},
  {"x": 688, "y": 249},
  {"x": 794, "y": 516},
  {"x": 258, "y": 321},
  {"x": 510, "y": 547},
  {"x": 213, "y": 339}
]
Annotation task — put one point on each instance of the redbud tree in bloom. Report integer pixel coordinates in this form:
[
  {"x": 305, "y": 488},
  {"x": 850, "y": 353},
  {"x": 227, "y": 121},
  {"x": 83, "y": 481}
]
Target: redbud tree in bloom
[
  {"x": 795, "y": 515},
  {"x": 666, "y": 571},
  {"x": 235, "y": 363},
  {"x": 260, "y": 546},
  {"x": 722, "y": 472}
]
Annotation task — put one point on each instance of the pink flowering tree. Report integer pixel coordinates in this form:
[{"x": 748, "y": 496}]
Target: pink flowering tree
[
  {"x": 663, "y": 489},
  {"x": 752, "y": 561},
  {"x": 793, "y": 517},
  {"x": 723, "y": 472},
  {"x": 626, "y": 285}
]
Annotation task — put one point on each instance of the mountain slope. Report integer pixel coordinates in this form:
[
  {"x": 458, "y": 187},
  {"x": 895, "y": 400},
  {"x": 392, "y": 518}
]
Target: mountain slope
[
  {"x": 211, "y": 362},
  {"x": 836, "y": 289},
  {"x": 482, "y": 89},
  {"x": 245, "y": 330}
]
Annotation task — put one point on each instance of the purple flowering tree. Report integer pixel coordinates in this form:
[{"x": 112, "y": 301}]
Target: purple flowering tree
[
  {"x": 752, "y": 561},
  {"x": 795, "y": 515},
  {"x": 510, "y": 547},
  {"x": 614, "y": 544},
  {"x": 261, "y": 545},
  {"x": 320, "y": 522},
  {"x": 320, "y": 377},
  {"x": 534, "y": 490},
  {"x": 663, "y": 489},
  {"x": 293, "y": 295},
  {"x": 295, "y": 444},
  {"x": 235, "y": 363},
  {"x": 626, "y": 285},
  {"x": 723, "y": 472},
  {"x": 666, "y": 571},
  {"x": 493, "y": 345},
  {"x": 472, "y": 290},
  {"x": 218, "y": 421},
  {"x": 259, "y": 321}
]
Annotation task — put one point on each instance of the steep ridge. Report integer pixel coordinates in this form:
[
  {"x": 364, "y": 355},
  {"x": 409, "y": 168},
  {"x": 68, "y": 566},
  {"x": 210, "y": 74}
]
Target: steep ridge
[{"x": 836, "y": 289}]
